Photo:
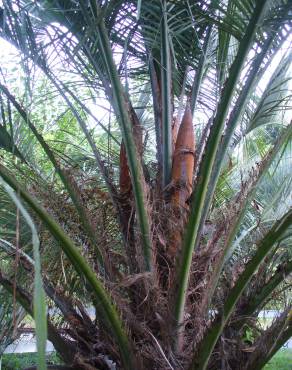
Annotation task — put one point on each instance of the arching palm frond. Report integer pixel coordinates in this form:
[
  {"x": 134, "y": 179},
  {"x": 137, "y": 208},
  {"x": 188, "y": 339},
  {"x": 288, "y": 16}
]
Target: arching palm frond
[{"x": 150, "y": 142}]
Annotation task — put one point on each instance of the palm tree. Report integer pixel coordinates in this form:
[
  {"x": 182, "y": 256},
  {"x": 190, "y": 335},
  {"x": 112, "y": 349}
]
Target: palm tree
[{"x": 171, "y": 214}]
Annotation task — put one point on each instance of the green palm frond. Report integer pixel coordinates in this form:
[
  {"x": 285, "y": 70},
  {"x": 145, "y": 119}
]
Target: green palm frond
[{"x": 91, "y": 103}]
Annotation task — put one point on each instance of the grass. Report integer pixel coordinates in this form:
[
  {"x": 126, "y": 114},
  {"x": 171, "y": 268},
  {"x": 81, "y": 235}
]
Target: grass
[
  {"x": 20, "y": 361},
  {"x": 281, "y": 361}
]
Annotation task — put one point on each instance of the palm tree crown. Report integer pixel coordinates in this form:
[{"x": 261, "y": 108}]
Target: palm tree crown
[{"x": 145, "y": 153}]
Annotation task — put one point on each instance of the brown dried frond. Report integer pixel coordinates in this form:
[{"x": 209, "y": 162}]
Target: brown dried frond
[
  {"x": 125, "y": 178},
  {"x": 183, "y": 160},
  {"x": 175, "y": 127},
  {"x": 180, "y": 187},
  {"x": 133, "y": 279}
]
